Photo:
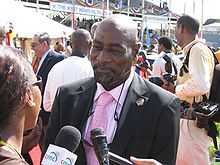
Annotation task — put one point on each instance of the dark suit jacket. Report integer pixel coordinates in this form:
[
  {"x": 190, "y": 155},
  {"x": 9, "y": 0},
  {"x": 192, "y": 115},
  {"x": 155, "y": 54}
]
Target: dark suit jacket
[
  {"x": 150, "y": 130},
  {"x": 51, "y": 59}
]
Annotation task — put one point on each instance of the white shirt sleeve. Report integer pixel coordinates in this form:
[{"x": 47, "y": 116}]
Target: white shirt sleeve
[
  {"x": 53, "y": 82},
  {"x": 201, "y": 66},
  {"x": 157, "y": 68}
]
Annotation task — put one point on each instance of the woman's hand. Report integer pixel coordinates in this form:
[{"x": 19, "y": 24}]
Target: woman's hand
[{"x": 137, "y": 161}]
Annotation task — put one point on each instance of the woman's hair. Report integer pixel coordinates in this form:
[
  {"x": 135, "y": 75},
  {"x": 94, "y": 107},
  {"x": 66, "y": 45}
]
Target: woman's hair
[{"x": 16, "y": 76}]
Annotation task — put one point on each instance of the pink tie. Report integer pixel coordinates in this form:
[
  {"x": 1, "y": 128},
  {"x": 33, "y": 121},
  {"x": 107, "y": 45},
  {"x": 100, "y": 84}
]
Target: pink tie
[
  {"x": 99, "y": 120},
  {"x": 100, "y": 115}
]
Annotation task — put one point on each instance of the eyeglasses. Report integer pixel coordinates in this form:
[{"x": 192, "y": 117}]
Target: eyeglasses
[{"x": 38, "y": 83}]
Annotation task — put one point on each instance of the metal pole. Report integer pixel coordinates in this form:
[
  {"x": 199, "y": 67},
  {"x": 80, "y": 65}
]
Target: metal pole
[
  {"x": 107, "y": 7},
  {"x": 73, "y": 16},
  {"x": 169, "y": 19},
  {"x": 103, "y": 8},
  {"x": 142, "y": 25},
  {"x": 202, "y": 18},
  {"x": 128, "y": 7},
  {"x": 37, "y": 5}
]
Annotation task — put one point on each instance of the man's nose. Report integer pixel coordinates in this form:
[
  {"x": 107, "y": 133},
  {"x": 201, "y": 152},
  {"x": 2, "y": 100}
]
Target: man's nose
[{"x": 103, "y": 57}]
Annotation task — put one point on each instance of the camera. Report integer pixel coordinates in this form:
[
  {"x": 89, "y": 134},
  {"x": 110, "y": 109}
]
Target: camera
[{"x": 170, "y": 78}]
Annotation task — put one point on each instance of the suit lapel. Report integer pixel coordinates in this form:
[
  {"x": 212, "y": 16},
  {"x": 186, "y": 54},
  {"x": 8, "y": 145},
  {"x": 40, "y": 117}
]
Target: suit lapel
[
  {"x": 85, "y": 97},
  {"x": 135, "y": 101},
  {"x": 45, "y": 63}
]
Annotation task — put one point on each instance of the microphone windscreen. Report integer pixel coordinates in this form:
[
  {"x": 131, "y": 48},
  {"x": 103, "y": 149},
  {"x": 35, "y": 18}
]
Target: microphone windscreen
[{"x": 69, "y": 138}]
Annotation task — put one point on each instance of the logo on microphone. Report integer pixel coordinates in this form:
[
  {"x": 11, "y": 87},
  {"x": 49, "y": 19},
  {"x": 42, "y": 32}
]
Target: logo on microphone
[
  {"x": 67, "y": 161},
  {"x": 52, "y": 156}
]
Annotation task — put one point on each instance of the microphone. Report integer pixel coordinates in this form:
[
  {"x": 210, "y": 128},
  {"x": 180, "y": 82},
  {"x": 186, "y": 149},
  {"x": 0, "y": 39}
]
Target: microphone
[
  {"x": 66, "y": 143},
  {"x": 100, "y": 144}
]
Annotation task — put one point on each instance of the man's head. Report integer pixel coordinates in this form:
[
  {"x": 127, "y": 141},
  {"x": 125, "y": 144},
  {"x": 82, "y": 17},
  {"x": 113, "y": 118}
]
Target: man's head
[
  {"x": 186, "y": 30},
  {"x": 114, "y": 49},
  {"x": 93, "y": 28},
  {"x": 165, "y": 44},
  {"x": 40, "y": 44},
  {"x": 2, "y": 35},
  {"x": 81, "y": 40}
]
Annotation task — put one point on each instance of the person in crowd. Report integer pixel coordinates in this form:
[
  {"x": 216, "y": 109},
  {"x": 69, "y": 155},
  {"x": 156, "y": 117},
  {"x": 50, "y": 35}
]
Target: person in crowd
[
  {"x": 20, "y": 100},
  {"x": 68, "y": 49},
  {"x": 138, "y": 118},
  {"x": 193, "y": 81},
  {"x": 2, "y": 35},
  {"x": 165, "y": 51},
  {"x": 74, "y": 68},
  {"x": 45, "y": 59},
  {"x": 58, "y": 47},
  {"x": 93, "y": 28},
  {"x": 143, "y": 67}
]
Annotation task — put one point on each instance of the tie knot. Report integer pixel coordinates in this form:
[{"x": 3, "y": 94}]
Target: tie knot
[{"x": 104, "y": 98}]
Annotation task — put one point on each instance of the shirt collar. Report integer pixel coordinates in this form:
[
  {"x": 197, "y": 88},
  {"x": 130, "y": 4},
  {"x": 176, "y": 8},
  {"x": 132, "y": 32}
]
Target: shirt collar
[
  {"x": 42, "y": 59},
  {"x": 117, "y": 90},
  {"x": 188, "y": 46}
]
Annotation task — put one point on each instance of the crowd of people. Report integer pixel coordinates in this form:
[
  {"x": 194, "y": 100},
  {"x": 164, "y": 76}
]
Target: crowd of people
[{"x": 107, "y": 82}]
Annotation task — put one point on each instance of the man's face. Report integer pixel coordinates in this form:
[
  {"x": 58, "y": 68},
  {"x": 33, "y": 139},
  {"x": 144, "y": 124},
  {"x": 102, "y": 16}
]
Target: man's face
[
  {"x": 37, "y": 47},
  {"x": 111, "y": 57},
  {"x": 179, "y": 35}
]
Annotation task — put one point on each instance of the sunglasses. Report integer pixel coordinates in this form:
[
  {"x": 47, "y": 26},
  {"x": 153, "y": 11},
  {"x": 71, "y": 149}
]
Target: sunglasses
[{"x": 38, "y": 83}]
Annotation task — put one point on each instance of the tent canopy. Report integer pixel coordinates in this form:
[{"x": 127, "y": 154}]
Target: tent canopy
[{"x": 26, "y": 22}]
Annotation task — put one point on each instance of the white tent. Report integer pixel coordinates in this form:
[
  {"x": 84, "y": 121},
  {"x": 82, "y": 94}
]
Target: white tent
[
  {"x": 214, "y": 27},
  {"x": 26, "y": 22}
]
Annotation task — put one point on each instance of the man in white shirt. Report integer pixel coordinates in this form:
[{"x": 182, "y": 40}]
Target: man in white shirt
[
  {"x": 72, "y": 69},
  {"x": 193, "y": 81},
  {"x": 165, "y": 48}
]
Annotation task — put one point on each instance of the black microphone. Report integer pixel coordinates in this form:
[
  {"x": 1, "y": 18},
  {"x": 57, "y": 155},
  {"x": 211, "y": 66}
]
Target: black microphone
[
  {"x": 66, "y": 143},
  {"x": 100, "y": 144},
  {"x": 102, "y": 151},
  {"x": 68, "y": 137}
]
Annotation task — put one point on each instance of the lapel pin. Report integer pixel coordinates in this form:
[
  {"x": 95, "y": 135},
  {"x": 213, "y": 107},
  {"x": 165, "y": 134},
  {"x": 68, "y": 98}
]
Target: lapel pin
[{"x": 140, "y": 102}]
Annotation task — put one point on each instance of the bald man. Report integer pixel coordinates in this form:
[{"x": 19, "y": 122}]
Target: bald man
[
  {"x": 138, "y": 118},
  {"x": 73, "y": 68},
  {"x": 93, "y": 28}
]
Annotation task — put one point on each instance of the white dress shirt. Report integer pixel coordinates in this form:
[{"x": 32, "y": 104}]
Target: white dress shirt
[
  {"x": 201, "y": 66},
  {"x": 42, "y": 60},
  {"x": 159, "y": 64},
  {"x": 67, "y": 71}
]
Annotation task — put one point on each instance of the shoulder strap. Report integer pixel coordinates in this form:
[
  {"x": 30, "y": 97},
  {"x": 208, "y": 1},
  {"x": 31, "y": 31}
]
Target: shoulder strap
[
  {"x": 170, "y": 61},
  {"x": 185, "y": 66},
  {"x": 215, "y": 58}
]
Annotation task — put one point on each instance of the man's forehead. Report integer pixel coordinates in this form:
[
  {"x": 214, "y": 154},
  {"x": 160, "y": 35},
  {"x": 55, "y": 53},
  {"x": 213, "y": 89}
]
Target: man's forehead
[{"x": 35, "y": 39}]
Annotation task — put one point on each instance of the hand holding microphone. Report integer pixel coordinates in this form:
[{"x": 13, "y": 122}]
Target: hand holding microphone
[
  {"x": 103, "y": 154},
  {"x": 100, "y": 144},
  {"x": 66, "y": 143}
]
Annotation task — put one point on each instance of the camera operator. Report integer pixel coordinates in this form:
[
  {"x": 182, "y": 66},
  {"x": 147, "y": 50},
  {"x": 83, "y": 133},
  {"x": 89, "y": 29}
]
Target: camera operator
[
  {"x": 166, "y": 67},
  {"x": 193, "y": 82}
]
